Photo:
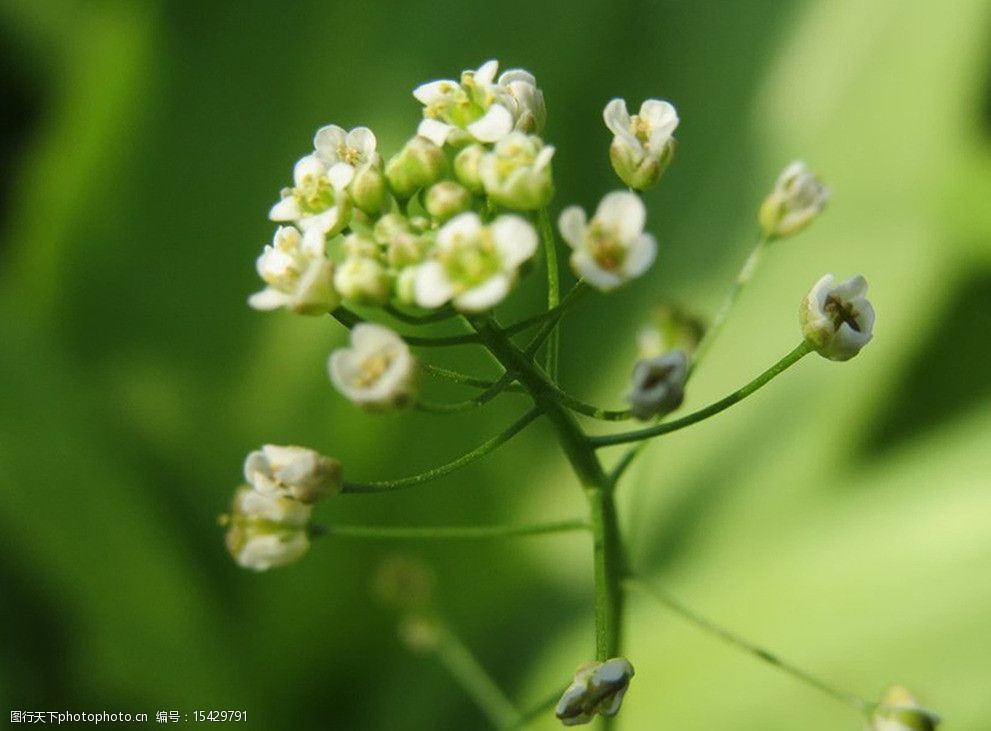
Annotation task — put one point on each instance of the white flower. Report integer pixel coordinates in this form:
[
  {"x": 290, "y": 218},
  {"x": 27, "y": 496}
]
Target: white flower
[
  {"x": 598, "y": 688},
  {"x": 524, "y": 99},
  {"x": 643, "y": 144},
  {"x": 299, "y": 473},
  {"x": 798, "y": 197},
  {"x": 517, "y": 173},
  {"x": 658, "y": 385},
  {"x": 899, "y": 711},
  {"x": 837, "y": 320},
  {"x": 265, "y": 530},
  {"x": 612, "y": 248},
  {"x": 478, "y": 107},
  {"x": 298, "y": 274},
  {"x": 355, "y": 149},
  {"x": 317, "y": 203},
  {"x": 472, "y": 264},
  {"x": 377, "y": 371}
]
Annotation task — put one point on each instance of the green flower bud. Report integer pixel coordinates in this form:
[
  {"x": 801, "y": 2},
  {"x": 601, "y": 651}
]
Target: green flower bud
[
  {"x": 419, "y": 164},
  {"x": 517, "y": 173},
  {"x": 363, "y": 279},
  {"x": 467, "y": 168},
  {"x": 406, "y": 241},
  {"x": 447, "y": 199},
  {"x": 797, "y": 199},
  {"x": 669, "y": 328},
  {"x": 369, "y": 190}
]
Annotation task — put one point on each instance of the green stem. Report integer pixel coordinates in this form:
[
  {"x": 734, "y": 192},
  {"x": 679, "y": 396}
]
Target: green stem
[
  {"x": 573, "y": 295},
  {"x": 744, "y": 276},
  {"x": 734, "y": 639},
  {"x": 608, "y": 557},
  {"x": 445, "y": 313},
  {"x": 464, "y": 379},
  {"x": 553, "y": 288},
  {"x": 464, "y": 460},
  {"x": 579, "y": 406},
  {"x": 652, "y": 431},
  {"x": 349, "y": 319},
  {"x": 480, "y": 400},
  {"x": 463, "y": 666},
  {"x": 449, "y": 532}
]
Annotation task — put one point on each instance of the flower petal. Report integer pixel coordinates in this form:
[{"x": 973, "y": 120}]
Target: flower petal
[
  {"x": 285, "y": 210},
  {"x": 485, "y": 296},
  {"x": 327, "y": 141},
  {"x": 434, "y": 130},
  {"x": 617, "y": 117},
  {"x": 623, "y": 212},
  {"x": 487, "y": 72},
  {"x": 586, "y": 267},
  {"x": 572, "y": 223},
  {"x": 432, "y": 288},
  {"x": 495, "y": 124},
  {"x": 363, "y": 140},
  {"x": 268, "y": 299},
  {"x": 340, "y": 175},
  {"x": 465, "y": 226},
  {"x": 640, "y": 256},
  {"x": 515, "y": 239},
  {"x": 434, "y": 90}
]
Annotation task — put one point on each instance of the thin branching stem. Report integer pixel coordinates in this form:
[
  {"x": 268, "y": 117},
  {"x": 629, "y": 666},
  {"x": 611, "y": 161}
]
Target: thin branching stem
[
  {"x": 449, "y": 532},
  {"x": 464, "y": 460},
  {"x": 763, "y": 379},
  {"x": 707, "y": 625},
  {"x": 580, "y": 407},
  {"x": 349, "y": 319},
  {"x": 441, "y": 315},
  {"x": 553, "y": 289},
  {"x": 464, "y": 379},
  {"x": 743, "y": 277},
  {"x": 477, "y": 683}
]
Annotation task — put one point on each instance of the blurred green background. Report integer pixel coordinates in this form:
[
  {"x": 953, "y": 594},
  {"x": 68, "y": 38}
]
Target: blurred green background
[{"x": 842, "y": 517}]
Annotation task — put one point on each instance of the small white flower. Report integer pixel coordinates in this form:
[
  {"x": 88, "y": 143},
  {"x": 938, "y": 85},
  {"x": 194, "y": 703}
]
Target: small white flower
[
  {"x": 472, "y": 264},
  {"x": 899, "y": 711},
  {"x": 643, "y": 144},
  {"x": 299, "y": 473},
  {"x": 478, "y": 108},
  {"x": 524, "y": 99},
  {"x": 612, "y": 248},
  {"x": 298, "y": 274},
  {"x": 598, "y": 688},
  {"x": 837, "y": 320},
  {"x": 265, "y": 530},
  {"x": 798, "y": 197},
  {"x": 517, "y": 173},
  {"x": 317, "y": 203},
  {"x": 334, "y": 146},
  {"x": 377, "y": 371},
  {"x": 658, "y": 385}
]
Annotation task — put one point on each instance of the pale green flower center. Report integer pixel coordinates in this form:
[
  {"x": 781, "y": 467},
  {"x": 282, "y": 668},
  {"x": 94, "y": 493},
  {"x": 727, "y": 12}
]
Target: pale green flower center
[
  {"x": 640, "y": 128},
  {"x": 471, "y": 262},
  {"x": 314, "y": 195},
  {"x": 372, "y": 369}
]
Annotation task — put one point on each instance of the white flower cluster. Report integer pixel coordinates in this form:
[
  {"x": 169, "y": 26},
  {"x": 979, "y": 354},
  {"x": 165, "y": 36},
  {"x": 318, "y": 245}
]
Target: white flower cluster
[{"x": 269, "y": 519}]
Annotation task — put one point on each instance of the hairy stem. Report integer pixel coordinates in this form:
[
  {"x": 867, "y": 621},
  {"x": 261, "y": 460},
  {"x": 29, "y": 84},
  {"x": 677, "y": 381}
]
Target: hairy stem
[
  {"x": 669, "y": 426},
  {"x": 608, "y": 557},
  {"x": 449, "y": 532},
  {"x": 553, "y": 289},
  {"x": 743, "y": 277},
  {"x": 760, "y": 653},
  {"x": 466, "y": 459}
]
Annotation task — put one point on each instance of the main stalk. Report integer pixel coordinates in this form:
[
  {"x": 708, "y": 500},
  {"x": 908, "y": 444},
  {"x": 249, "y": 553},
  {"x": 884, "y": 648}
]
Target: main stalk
[{"x": 608, "y": 558}]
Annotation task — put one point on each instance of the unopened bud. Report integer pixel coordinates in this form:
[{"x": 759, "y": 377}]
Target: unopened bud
[
  {"x": 447, "y": 199},
  {"x": 597, "y": 689},
  {"x": 369, "y": 190},
  {"x": 419, "y": 164}
]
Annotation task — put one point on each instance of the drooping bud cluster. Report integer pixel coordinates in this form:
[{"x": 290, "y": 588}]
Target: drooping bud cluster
[
  {"x": 837, "y": 319},
  {"x": 597, "y": 689},
  {"x": 268, "y": 525}
]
